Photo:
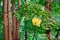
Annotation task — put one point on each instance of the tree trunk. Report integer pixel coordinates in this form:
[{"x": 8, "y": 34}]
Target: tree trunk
[
  {"x": 48, "y": 5},
  {"x": 18, "y": 3},
  {"x": 26, "y": 36},
  {"x": 17, "y": 29},
  {"x": 18, "y": 23},
  {"x": 14, "y": 21},
  {"x": 9, "y": 24},
  {"x": 49, "y": 35},
  {"x": 5, "y": 19},
  {"x": 48, "y": 32}
]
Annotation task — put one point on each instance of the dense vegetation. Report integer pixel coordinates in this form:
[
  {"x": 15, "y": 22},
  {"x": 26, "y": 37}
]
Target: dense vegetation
[{"x": 34, "y": 18}]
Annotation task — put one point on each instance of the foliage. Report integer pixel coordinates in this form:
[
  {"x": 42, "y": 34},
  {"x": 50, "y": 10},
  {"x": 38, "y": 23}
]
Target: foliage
[{"x": 31, "y": 10}]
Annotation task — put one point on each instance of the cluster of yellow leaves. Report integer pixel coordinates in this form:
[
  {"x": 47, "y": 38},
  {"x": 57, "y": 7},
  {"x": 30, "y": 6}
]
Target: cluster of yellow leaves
[{"x": 36, "y": 21}]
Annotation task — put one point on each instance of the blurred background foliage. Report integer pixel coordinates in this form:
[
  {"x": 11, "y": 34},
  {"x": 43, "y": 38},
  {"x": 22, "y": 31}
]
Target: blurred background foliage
[{"x": 34, "y": 7}]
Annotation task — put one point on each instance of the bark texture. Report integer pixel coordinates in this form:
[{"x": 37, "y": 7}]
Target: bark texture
[
  {"x": 9, "y": 24},
  {"x": 14, "y": 21},
  {"x": 5, "y": 20}
]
